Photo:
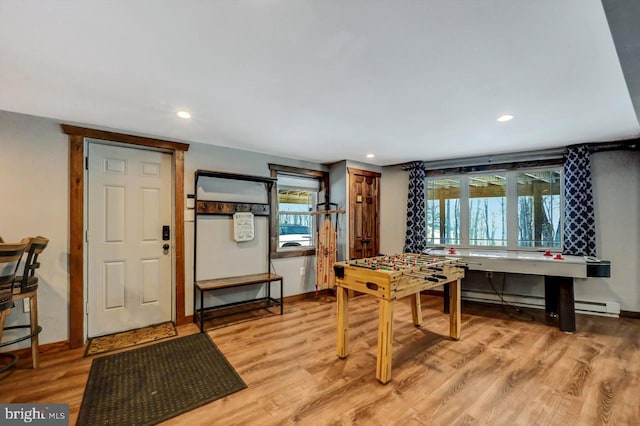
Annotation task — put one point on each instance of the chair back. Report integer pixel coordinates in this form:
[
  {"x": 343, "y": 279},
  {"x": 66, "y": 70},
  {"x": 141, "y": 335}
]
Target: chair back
[
  {"x": 10, "y": 255},
  {"x": 28, "y": 280}
]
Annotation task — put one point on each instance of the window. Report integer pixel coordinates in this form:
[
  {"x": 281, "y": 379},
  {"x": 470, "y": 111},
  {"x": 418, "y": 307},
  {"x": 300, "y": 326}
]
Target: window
[
  {"x": 515, "y": 209},
  {"x": 298, "y": 193},
  {"x": 443, "y": 211},
  {"x": 488, "y": 210},
  {"x": 297, "y": 199},
  {"x": 539, "y": 209}
]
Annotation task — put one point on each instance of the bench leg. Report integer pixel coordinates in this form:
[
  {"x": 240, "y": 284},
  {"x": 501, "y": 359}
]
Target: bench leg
[
  {"x": 281, "y": 297},
  {"x": 201, "y": 311}
]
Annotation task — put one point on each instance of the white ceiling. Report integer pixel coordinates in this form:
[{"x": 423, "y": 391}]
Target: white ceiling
[{"x": 323, "y": 80}]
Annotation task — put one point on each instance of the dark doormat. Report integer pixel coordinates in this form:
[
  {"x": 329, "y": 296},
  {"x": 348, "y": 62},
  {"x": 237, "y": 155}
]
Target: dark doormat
[
  {"x": 125, "y": 339},
  {"x": 148, "y": 385}
]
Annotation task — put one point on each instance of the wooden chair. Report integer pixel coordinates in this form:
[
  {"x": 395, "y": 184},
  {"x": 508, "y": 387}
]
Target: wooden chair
[
  {"x": 26, "y": 286},
  {"x": 10, "y": 255}
]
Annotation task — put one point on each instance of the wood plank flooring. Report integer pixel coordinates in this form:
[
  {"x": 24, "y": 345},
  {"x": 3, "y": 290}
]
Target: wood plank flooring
[{"x": 503, "y": 371}]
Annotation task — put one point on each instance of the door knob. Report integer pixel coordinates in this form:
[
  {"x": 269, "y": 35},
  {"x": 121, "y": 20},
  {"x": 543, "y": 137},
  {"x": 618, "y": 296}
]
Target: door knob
[{"x": 165, "y": 247}]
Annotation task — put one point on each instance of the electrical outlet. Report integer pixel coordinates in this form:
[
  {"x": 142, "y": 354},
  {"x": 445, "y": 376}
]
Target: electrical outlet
[
  {"x": 302, "y": 271},
  {"x": 489, "y": 274},
  {"x": 26, "y": 306}
]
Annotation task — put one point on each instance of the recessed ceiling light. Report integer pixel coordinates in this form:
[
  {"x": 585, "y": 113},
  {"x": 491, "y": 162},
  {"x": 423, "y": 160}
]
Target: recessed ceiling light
[
  {"x": 370, "y": 155},
  {"x": 183, "y": 114},
  {"x": 505, "y": 117}
]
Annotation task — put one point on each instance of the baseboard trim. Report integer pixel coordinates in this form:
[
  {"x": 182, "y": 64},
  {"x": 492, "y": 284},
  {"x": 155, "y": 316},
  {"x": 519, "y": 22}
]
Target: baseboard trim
[
  {"x": 309, "y": 295},
  {"x": 629, "y": 314},
  {"x": 48, "y": 348}
]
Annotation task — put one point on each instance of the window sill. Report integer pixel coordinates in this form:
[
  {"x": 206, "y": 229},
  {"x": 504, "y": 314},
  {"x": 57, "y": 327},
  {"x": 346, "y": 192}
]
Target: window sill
[{"x": 293, "y": 253}]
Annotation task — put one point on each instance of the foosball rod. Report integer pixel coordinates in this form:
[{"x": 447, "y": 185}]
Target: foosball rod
[{"x": 427, "y": 277}]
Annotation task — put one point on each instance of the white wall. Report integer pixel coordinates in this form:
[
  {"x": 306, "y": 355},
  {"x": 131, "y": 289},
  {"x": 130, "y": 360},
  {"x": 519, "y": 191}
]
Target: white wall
[
  {"x": 218, "y": 254},
  {"x": 394, "y": 188},
  {"x": 616, "y": 186},
  {"x": 34, "y": 193},
  {"x": 34, "y": 176},
  {"x": 338, "y": 183},
  {"x": 34, "y": 170}
]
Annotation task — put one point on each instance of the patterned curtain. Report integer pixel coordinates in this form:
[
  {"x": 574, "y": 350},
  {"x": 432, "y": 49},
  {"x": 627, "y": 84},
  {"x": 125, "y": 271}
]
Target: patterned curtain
[
  {"x": 579, "y": 218},
  {"x": 416, "y": 236}
]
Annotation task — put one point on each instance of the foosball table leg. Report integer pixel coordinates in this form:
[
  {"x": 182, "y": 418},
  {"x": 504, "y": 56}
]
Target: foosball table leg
[
  {"x": 455, "y": 309},
  {"x": 416, "y": 309},
  {"x": 385, "y": 341},
  {"x": 342, "y": 343}
]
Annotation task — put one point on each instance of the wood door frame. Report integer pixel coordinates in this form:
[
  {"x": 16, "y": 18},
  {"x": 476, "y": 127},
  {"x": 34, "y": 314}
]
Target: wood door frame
[
  {"x": 77, "y": 136},
  {"x": 350, "y": 172}
]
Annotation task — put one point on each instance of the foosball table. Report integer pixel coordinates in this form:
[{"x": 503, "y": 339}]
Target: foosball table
[{"x": 390, "y": 278}]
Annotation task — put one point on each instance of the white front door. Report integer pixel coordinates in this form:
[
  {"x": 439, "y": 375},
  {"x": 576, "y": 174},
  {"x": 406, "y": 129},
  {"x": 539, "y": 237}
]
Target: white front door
[{"x": 128, "y": 269}]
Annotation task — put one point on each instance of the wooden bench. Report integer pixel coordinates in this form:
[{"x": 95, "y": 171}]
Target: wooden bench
[{"x": 200, "y": 313}]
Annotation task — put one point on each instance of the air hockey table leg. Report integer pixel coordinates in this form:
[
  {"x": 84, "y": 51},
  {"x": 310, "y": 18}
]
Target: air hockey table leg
[
  {"x": 559, "y": 299},
  {"x": 445, "y": 289}
]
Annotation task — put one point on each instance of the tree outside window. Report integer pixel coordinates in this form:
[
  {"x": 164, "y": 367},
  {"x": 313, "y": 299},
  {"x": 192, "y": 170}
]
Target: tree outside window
[
  {"x": 513, "y": 209},
  {"x": 539, "y": 209},
  {"x": 443, "y": 211},
  {"x": 488, "y": 210}
]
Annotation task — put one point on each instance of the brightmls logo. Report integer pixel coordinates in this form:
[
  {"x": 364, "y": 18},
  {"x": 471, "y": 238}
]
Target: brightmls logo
[{"x": 37, "y": 414}]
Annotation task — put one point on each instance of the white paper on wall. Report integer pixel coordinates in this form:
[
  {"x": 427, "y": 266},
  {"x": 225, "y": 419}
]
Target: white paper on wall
[{"x": 243, "y": 227}]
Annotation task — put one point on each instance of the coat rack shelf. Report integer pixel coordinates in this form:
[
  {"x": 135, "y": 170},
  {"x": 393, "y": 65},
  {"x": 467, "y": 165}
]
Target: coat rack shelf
[{"x": 228, "y": 208}]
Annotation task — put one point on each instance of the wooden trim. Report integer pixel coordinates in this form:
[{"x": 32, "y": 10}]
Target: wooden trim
[
  {"x": 293, "y": 253},
  {"x": 309, "y": 295},
  {"x": 629, "y": 314},
  {"x": 76, "y": 220},
  {"x": 363, "y": 172},
  {"x": 179, "y": 237},
  {"x": 76, "y": 241},
  {"x": 49, "y": 348},
  {"x": 124, "y": 138},
  {"x": 295, "y": 171},
  {"x": 233, "y": 176}
]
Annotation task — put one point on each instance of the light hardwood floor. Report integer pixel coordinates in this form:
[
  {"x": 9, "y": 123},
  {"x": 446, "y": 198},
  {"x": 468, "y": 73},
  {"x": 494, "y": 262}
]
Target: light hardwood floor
[{"x": 504, "y": 371}]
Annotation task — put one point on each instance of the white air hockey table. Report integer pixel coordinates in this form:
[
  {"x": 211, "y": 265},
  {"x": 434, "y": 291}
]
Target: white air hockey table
[{"x": 558, "y": 270}]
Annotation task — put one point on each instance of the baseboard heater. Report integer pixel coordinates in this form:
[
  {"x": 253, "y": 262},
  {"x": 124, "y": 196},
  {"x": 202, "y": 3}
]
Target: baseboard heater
[{"x": 607, "y": 309}]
